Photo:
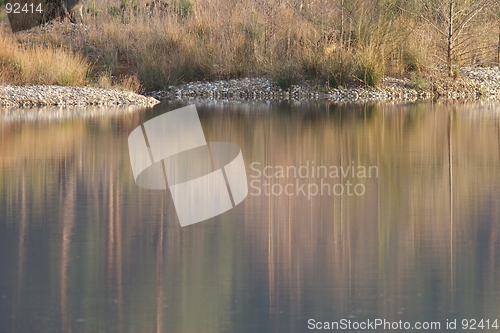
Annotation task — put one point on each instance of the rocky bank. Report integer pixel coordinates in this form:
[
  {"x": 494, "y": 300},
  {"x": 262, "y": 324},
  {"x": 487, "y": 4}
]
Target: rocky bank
[
  {"x": 472, "y": 84},
  {"x": 36, "y": 96}
]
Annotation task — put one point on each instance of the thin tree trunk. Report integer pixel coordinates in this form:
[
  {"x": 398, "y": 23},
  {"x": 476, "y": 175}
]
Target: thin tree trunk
[
  {"x": 342, "y": 32},
  {"x": 498, "y": 50},
  {"x": 449, "y": 57},
  {"x": 342, "y": 25}
]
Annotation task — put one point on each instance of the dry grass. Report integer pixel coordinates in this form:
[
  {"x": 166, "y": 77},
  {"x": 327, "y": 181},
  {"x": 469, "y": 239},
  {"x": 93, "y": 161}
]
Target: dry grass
[
  {"x": 220, "y": 39},
  {"x": 230, "y": 39},
  {"x": 40, "y": 65}
]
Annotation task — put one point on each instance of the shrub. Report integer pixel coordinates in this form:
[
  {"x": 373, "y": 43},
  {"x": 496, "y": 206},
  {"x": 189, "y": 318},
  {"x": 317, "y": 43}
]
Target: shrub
[
  {"x": 41, "y": 65},
  {"x": 338, "y": 69},
  {"x": 370, "y": 68},
  {"x": 286, "y": 75},
  {"x": 417, "y": 82},
  {"x": 370, "y": 73},
  {"x": 184, "y": 8},
  {"x": 412, "y": 61}
]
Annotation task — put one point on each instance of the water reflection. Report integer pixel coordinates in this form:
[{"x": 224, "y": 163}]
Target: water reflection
[{"x": 83, "y": 249}]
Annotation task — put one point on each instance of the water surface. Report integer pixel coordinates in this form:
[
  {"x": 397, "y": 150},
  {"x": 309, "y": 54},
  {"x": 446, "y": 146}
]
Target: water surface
[{"x": 83, "y": 249}]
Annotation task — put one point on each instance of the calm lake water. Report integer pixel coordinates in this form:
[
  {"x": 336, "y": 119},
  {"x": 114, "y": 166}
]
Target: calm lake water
[{"x": 83, "y": 249}]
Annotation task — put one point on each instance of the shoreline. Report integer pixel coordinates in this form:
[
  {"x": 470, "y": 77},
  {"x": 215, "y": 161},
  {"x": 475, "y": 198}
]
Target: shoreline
[
  {"x": 31, "y": 96},
  {"x": 264, "y": 89},
  {"x": 473, "y": 84}
]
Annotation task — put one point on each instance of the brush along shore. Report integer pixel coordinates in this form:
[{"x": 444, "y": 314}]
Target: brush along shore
[{"x": 473, "y": 84}]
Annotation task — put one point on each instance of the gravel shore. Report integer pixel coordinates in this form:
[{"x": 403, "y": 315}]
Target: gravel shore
[
  {"x": 264, "y": 89},
  {"x": 36, "y": 96},
  {"x": 473, "y": 84}
]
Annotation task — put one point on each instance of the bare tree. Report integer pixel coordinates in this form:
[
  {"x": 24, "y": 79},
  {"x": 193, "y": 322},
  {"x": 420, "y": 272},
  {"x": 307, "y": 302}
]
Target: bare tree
[
  {"x": 495, "y": 9},
  {"x": 452, "y": 19}
]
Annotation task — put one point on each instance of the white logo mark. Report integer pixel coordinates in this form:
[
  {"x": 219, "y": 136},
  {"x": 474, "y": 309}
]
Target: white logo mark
[{"x": 205, "y": 180}]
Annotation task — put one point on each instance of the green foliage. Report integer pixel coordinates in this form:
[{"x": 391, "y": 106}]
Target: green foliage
[
  {"x": 252, "y": 31},
  {"x": 92, "y": 8},
  {"x": 370, "y": 73},
  {"x": 170, "y": 62},
  {"x": 370, "y": 68},
  {"x": 184, "y": 8},
  {"x": 338, "y": 71},
  {"x": 114, "y": 11},
  {"x": 129, "y": 5},
  {"x": 417, "y": 82},
  {"x": 412, "y": 61},
  {"x": 286, "y": 75}
]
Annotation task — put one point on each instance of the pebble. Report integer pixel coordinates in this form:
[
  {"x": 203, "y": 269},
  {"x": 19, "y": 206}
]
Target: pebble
[
  {"x": 60, "y": 96},
  {"x": 265, "y": 89},
  {"x": 473, "y": 83}
]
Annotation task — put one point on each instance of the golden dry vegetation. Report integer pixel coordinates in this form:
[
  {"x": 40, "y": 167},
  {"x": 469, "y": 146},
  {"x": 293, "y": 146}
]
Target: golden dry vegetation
[{"x": 152, "y": 45}]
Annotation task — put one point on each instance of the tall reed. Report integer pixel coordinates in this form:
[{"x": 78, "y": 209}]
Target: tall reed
[{"x": 335, "y": 42}]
